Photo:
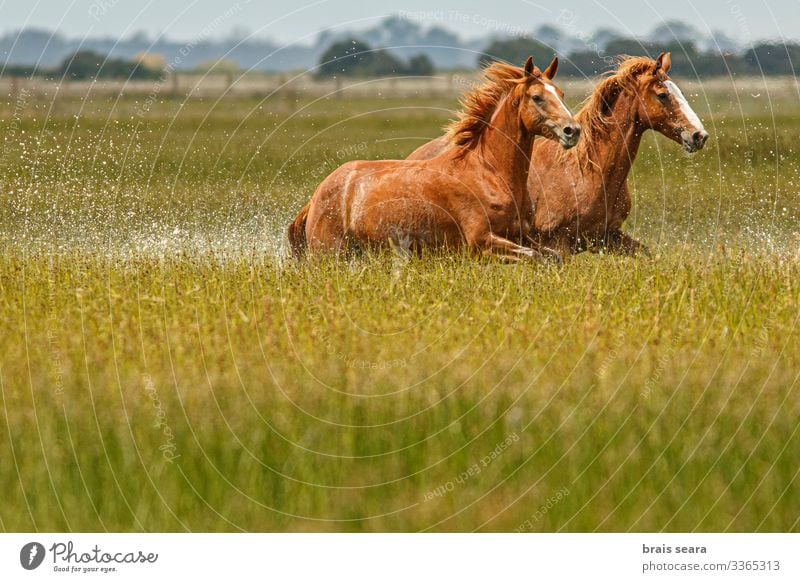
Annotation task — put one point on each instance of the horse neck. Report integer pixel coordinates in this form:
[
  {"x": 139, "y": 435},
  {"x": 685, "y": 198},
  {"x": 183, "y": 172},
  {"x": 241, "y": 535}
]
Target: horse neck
[
  {"x": 614, "y": 151},
  {"x": 505, "y": 147}
]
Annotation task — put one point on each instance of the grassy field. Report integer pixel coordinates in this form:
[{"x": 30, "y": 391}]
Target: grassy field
[{"x": 163, "y": 368}]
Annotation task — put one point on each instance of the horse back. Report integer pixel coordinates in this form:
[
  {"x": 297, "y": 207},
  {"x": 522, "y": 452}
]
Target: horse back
[{"x": 430, "y": 149}]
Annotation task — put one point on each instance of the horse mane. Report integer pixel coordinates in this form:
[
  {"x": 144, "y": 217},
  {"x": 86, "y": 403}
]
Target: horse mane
[
  {"x": 595, "y": 110},
  {"x": 479, "y": 104}
]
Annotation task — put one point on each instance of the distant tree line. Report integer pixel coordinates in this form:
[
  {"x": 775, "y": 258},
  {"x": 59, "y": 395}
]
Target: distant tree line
[
  {"x": 87, "y": 65},
  {"x": 355, "y": 58},
  {"x": 687, "y": 59},
  {"x": 358, "y": 58}
]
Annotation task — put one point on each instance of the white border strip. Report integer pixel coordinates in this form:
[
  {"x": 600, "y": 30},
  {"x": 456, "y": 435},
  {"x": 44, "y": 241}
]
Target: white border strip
[{"x": 407, "y": 557}]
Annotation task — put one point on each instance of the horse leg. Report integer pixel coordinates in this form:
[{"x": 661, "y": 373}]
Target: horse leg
[
  {"x": 558, "y": 243},
  {"x": 501, "y": 248},
  {"x": 547, "y": 252},
  {"x": 619, "y": 243}
]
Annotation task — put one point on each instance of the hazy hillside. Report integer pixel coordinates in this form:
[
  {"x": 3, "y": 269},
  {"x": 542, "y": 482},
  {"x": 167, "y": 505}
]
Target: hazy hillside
[{"x": 405, "y": 37}]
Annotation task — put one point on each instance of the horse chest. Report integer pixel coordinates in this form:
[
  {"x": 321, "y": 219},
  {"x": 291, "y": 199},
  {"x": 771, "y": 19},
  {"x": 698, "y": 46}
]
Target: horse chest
[
  {"x": 505, "y": 214},
  {"x": 602, "y": 208}
]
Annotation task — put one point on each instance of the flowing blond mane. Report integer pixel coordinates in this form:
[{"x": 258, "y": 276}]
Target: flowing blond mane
[
  {"x": 594, "y": 113},
  {"x": 479, "y": 104}
]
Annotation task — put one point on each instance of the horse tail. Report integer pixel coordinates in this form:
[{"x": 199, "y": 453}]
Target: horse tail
[{"x": 297, "y": 233}]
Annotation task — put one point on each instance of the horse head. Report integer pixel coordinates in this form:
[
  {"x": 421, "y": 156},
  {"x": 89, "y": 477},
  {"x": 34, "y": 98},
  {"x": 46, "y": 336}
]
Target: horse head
[
  {"x": 663, "y": 108},
  {"x": 541, "y": 106}
]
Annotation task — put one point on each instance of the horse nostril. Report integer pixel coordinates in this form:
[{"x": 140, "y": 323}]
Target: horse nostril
[{"x": 700, "y": 137}]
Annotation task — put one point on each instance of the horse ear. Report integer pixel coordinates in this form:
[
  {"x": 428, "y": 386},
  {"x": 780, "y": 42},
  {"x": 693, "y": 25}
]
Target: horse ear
[
  {"x": 659, "y": 62},
  {"x": 666, "y": 63},
  {"x": 529, "y": 67},
  {"x": 551, "y": 69}
]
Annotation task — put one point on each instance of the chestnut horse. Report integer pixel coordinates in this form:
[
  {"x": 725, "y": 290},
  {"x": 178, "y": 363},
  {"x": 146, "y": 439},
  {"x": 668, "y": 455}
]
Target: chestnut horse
[
  {"x": 473, "y": 196},
  {"x": 581, "y": 198}
]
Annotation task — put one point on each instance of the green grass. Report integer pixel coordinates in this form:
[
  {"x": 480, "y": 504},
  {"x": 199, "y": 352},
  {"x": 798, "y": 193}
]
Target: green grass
[{"x": 162, "y": 368}]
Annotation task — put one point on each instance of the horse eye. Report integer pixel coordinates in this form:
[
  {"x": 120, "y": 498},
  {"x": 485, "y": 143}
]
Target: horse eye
[
  {"x": 537, "y": 98},
  {"x": 663, "y": 96}
]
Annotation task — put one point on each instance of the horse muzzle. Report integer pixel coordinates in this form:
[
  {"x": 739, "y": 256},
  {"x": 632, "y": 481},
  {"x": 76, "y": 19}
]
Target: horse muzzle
[
  {"x": 694, "y": 141},
  {"x": 569, "y": 135}
]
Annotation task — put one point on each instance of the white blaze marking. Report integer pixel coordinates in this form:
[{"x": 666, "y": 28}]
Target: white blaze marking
[
  {"x": 555, "y": 94},
  {"x": 687, "y": 110}
]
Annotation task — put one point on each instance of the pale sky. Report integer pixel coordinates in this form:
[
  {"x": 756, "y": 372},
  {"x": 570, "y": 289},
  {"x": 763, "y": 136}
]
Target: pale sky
[{"x": 296, "y": 20}]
